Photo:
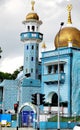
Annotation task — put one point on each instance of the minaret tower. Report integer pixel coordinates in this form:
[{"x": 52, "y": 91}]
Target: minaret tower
[{"x": 31, "y": 37}]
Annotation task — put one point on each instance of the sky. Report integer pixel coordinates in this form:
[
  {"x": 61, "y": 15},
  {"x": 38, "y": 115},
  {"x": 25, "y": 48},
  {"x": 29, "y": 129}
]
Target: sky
[{"x": 13, "y": 12}]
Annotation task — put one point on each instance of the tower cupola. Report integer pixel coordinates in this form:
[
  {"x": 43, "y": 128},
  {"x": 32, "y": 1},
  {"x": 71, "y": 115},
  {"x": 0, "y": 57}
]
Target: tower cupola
[
  {"x": 32, "y": 15},
  {"x": 32, "y": 24}
]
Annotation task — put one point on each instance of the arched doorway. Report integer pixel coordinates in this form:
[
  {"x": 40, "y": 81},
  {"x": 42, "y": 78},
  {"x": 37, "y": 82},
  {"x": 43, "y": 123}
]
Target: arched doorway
[
  {"x": 54, "y": 100},
  {"x": 27, "y": 104},
  {"x": 26, "y": 117}
]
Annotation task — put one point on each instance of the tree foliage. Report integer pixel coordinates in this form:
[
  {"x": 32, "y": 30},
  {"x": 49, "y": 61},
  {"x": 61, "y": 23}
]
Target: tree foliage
[{"x": 13, "y": 76}]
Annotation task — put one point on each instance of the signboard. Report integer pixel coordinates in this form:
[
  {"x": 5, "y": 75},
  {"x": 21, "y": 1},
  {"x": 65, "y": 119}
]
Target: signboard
[{"x": 5, "y": 119}]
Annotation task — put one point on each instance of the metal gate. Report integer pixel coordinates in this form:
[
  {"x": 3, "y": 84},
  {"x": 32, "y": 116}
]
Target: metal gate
[{"x": 27, "y": 118}]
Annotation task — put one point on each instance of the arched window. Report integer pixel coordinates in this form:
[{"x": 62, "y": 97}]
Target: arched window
[
  {"x": 27, "y": 47},
  {"x": 33, "y": 28},
  {"x": 32, "y": 47},
  {"x": 32, "y": 58},
  {"x": 61, "y": 67},
  {"x": 49, "y": 69},
  {"x": 31, "y": 70},
  {"x": 28, "y": 28},
  {"x": 55, "y": 68}
]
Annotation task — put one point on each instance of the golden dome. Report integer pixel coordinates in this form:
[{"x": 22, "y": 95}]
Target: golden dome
[
  {"x": 32, "y": 15},
  {"x": 67, "y": 34}
]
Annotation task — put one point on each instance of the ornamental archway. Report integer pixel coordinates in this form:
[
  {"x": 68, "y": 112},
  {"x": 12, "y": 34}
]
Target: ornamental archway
[
  {"x": 52, "y": 98},
  {"x": 28, "y": 114},
  {"x": 27, "y": 104}
]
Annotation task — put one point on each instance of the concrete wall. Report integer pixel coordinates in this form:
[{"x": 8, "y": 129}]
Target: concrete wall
[{"x": 27, "y": 129}]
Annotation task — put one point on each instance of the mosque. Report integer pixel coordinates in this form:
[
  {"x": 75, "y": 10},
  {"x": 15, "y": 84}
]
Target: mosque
[{"x": 57, "y": 75}]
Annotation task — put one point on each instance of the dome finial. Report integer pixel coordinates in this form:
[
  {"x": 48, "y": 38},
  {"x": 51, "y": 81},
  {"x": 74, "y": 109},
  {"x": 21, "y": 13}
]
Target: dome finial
[
  {"x": 43, "y": 45},
  {"x": 69, "y": 8},
  {"x": 32, "y": 3}
]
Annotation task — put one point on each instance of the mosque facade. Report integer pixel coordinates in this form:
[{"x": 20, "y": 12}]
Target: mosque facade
[{"x": 57, "y": 75}]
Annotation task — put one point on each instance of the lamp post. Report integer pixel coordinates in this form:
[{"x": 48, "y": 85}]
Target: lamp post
[
  {"x": 62, "y": 23},
  {"x": 18, "y": 99}
]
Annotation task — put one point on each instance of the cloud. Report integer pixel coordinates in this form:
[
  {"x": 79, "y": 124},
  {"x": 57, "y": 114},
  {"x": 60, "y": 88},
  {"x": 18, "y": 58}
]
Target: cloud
[
  {"x": 13, "y": 12},
  {"x": 2, "y": 2},
  {"x": 9, "y": 65}
]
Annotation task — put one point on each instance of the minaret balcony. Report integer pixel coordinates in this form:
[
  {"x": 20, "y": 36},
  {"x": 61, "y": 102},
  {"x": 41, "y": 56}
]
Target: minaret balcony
[
  {"x": 31, "y": 36},
  {"x": 53, "y": 78}
]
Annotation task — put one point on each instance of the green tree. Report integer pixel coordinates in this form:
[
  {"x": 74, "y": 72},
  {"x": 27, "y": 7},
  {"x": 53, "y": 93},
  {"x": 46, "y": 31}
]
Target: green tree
[
  {"x": 5, "y": 76},
  {"x": 13, "y": 76},
  {"x": 16, "y": 72}
]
